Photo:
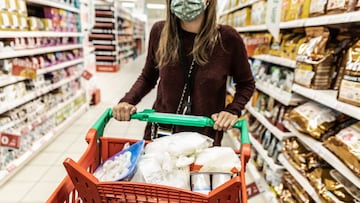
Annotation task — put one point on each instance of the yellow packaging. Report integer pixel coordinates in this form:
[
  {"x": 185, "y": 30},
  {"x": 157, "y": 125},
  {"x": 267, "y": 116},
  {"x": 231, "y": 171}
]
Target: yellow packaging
[
  {"x": 284, "y": 10},
  {"x": 298, "y": 9},
  {"x": 48, "y": 26},
  {"x": 234, "y": 3},
  {"x": 285, "y": 50},
  {"x": 258, "y": 13},
  {"x": 243, "y": 17},
  {"x": 275, "y": 47},
  {"x": 22, "y": 7},
  {"x": 4, "y": 5},
  {"x": 13, "y": 5},
  {"x": 231, "y": 19},
  {"x": 15, "y": 21},
  {"x": 5, "y": 21}
]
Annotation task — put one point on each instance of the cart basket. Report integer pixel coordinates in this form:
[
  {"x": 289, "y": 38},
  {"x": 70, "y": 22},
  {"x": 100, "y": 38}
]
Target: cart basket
[{"x": 81, "y": 186}]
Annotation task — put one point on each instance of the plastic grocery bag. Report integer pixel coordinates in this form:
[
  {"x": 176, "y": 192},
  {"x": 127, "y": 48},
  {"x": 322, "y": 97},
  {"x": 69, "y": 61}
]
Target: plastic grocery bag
[{"x": 122, "y": 165}]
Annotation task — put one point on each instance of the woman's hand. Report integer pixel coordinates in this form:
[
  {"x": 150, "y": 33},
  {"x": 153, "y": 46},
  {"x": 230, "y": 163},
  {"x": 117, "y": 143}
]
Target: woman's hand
[
  {"x": 123, "y": 110},
  {"x": 224, "y": 120}
]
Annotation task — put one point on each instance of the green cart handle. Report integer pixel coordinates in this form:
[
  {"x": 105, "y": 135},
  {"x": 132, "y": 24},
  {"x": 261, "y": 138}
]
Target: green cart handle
[{"x": 150, "y": 115}]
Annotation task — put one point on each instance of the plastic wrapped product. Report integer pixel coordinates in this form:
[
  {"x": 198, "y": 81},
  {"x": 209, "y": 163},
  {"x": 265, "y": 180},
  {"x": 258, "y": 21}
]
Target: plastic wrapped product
[
  {"x": 296, "y": 190},
  {"x": 340, "y": 6},
  {"x": 346, "y": 145},
  {"x": 317, "y": 7},
  {"x": 315, "y": 119}
]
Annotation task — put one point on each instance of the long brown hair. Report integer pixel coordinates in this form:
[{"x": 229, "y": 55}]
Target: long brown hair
[{"x": 205, "y": 40}]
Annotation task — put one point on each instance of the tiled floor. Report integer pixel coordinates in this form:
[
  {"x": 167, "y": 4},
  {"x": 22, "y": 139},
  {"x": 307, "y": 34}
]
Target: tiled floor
[{"x": 35, "y": 182}]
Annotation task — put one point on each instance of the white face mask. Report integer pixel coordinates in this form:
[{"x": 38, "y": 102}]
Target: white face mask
[{"x": 187, "y": 10}]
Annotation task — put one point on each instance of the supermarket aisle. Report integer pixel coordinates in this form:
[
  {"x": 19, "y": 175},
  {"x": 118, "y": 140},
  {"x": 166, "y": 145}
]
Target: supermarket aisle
[{"x": 35, "y": 182}]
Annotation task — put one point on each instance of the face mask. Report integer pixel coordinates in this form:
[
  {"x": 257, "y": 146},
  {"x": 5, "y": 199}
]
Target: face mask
[{"x": 187, "y": 10}]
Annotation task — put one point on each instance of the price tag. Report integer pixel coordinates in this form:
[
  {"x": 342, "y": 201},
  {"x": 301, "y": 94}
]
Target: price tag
[
  {"x": 252, "y": 190},
  {"x": 9, "y": 140}
]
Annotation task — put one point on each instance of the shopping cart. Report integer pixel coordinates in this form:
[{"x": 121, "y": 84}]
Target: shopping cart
[{"x": 81, "y": 186}]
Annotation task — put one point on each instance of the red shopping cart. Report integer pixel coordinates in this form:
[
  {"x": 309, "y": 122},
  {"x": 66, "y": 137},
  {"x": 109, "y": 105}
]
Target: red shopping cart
[{"x": 81, "y": 186}]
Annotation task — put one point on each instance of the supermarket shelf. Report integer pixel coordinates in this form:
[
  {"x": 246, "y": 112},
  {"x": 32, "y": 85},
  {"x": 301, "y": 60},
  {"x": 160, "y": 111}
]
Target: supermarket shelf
[
  {"x": 103, "y": 25},
  {"x": 276, "y": 60},
  {"x": 261, "y": 184},
  {"x": 8, "y": 80},
  {"x": 273, "y": 129},
  {"x": 41, "y": 119},
  {"x": 263, "y": 153},
  {"x": 251, "y": 28},
  {"x": 101, "y": 36},
  {"x": 324, "y": 153},
  {"x": 343, "y": 18},
  {"x": 283, "y": 97},
  {"x": 54, "y": 4},
  {"x": 105, "y": 58},
  {"x": 8, "y": 106},
  {"x": 328, "y": 98},
  {"x": 39, "y": 145},
  {"x": 11, "y": 34},
  {"x": 30, "y": 52},
  {"x": 300, "y": 179},
  {"x": 105, "y": 47},
  {"x": 239, "y": 7},
  {"x": 60, "y": 66},
  {"x": 104, "y": 20}
]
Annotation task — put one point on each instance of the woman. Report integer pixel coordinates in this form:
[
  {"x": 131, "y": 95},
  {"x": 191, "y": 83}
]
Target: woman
[{"x": 190, "y": 38}]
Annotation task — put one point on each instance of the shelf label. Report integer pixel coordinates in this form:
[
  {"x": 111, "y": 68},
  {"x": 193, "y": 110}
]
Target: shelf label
[
  {"x": 9, "y": 140},
  {"x": 252, "y": 190}
]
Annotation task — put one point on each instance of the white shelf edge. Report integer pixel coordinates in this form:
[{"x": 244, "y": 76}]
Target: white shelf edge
[
  {"x": 325, "y": 154},
  {"x": 300, "y": 179},
  {"x": 273, "y": 129},
  {"x": 238, "y": 7},
  {"x": 276, "y": 60},
  {"x": 342, "y": 18},
  {"x": 54, "y": 4},
  {"x": 41, "y": 144},
  {"x": 60, "y": 66},
  {"x": 261, "y": 183},
  {"x": 6, "y": 107},
  {"x": 4, "y": 54},
  {"x": 11, "y": 34},
  {"x": 259, "y": 148},
  {"x": 283, "y": 97},
  {"x": 328, "y": 98},
  {"x": 251, "y": 28},
  {"x": 11, "y": 80}
]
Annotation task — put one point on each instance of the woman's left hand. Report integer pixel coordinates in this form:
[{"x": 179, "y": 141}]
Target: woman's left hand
[{"x": 224, "y": 120}]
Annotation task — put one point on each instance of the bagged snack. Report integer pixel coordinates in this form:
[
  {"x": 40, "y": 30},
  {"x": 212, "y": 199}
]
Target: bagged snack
[
  {"x": 346, "y": 145},
  {"x": 329, "y": 189},
  {"x": 299, "y": 155},
  {"x": 349, "y": 91},
  {"x": 315, "y": 119},
  {"x": 295, "y": 188},
  {"x": 298, "y": 9},
  {"x": 317, "y": 7},
  {"x": 340, "y": 6},
  {"x": 314, "y": 47},
  {"x": 258, "y": 13}
]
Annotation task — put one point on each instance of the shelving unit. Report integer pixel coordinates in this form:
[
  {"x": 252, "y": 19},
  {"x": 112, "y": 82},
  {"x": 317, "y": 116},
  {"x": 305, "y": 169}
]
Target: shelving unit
[
  {"x": 325, "y": 97},
  {"x": 300, "y": 179},
  {"x": 273, "y": 129},
  {"x": 328, "y": 98},
  {"x": 75, "y": 105},
  {"x": 104, "y": 37},
  {"x": 325, "y": 154},
  {"x": 264, "y": 155}
]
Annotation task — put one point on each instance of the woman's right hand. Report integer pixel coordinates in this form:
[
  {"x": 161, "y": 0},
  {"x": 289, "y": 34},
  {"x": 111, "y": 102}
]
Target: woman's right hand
[{"x": 123, "y": 110}]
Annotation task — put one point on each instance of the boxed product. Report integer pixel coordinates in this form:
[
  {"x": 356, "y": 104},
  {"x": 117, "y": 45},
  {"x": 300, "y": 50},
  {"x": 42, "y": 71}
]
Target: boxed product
[
  {"x": 257, "y": 43},
  {"x": 242, "y": 17},
  {"x": 297, "y": 9},
  {"x": 346, "y": 145},
  {"x": 315, "y": 119},
  {"x": 349, "y": 91},
  {"x": 285, "y": 4},
  {"x": 258, "y": 13}
]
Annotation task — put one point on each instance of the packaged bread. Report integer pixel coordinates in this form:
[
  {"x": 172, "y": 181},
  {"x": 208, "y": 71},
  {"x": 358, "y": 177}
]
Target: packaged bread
[
  {"x": 315, "y": 119},
  {"x": 340, "y": 6},
  {"x": 346, "y": 145},
  {"x": 314, "y": 46}
]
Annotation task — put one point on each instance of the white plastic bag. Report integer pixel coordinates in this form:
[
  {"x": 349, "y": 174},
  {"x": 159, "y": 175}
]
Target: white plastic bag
[{"x": 218, "y": 159}]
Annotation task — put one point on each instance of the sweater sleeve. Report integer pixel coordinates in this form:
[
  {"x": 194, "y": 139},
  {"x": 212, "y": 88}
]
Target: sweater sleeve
[
  {"x": 147, "y": 80},
  {"x": 242, "y": 75}
]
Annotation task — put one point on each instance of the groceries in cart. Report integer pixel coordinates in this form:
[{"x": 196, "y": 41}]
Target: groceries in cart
[
  {"x": 121, "y": 165},
  {"x": 184, "y": 160}
]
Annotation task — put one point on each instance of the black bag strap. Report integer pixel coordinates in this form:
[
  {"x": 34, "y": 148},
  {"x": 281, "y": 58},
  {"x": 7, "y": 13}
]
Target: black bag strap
[{"x": 189, "y": 74}]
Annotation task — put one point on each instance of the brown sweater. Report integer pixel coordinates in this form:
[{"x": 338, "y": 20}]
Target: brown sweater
[{"x": 209, "y": 88}]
